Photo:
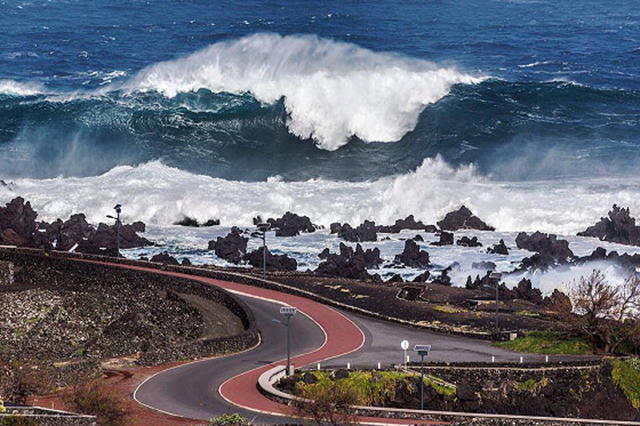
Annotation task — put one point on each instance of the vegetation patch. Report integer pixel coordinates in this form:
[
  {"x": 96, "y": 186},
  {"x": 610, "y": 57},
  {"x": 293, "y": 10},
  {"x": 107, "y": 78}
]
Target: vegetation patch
[
  {"x": 626, "y": 375},
  {"x": 549, "y": 343},
  {"x": 449, "y": 309}
]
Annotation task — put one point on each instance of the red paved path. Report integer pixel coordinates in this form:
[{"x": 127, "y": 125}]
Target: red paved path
[{"x": 342, "y": 337}]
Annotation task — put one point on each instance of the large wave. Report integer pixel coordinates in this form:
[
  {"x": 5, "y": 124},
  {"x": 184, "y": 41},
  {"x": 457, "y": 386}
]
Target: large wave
[
  {"x": 332, "y": 90},
  {"x": 158, "y": 194}
]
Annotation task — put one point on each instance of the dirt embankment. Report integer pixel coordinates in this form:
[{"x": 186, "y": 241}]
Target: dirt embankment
[{"x": 72, "y": 319}]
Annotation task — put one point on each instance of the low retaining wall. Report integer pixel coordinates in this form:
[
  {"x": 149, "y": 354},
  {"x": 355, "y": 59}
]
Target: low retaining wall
[
  {"x": 47, "y": 417},
  {"x": 272, "y": 285}
]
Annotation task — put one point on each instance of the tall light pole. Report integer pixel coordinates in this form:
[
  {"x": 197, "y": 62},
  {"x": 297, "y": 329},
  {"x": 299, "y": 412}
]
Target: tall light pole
[
  {"x": 496, "y": 277},
  {"x": 423, "y": 350},
  {"x": 263, "y": 228},
  {"x": 288, "y": 312},
  {"x": 118, "y": 209}
]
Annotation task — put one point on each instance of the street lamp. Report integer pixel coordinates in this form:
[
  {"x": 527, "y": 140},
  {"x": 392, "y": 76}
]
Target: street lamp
[
  {"x": 288, "y": 312},
  {"x": 118, "y": 209},
  {"x": 423, "y": 350},
  {"x": 496, "y": 277},
  {"x": 263, "y": 228}
]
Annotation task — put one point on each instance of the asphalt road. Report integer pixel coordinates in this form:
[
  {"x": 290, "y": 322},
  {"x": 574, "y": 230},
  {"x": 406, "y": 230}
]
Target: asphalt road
[{"x": 192, "y": 390}]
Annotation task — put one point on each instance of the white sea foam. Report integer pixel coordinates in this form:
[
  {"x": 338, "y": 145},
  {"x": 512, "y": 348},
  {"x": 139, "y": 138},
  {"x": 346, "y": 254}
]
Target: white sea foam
[
  {"x": 158, "y": 194},
  {"x": 16, "y": 88},
  {"x": 332, "y": 90}
]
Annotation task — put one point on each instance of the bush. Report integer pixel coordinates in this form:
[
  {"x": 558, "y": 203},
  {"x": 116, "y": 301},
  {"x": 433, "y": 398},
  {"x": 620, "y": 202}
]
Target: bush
[
  {"x": 331, "y": 403},
  {"x": 234, "y": 419},
  {"x": 626, "y": 375},
  {"x": 18, "y": 381},
  {"x": 549, "y": 343},
  {"x": 92, "y": 398}
]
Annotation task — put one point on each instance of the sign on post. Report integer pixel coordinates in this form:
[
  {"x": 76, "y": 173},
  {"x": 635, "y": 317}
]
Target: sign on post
[
  {"x": 288, "y": 310},
  {"x": 422, "y": 350}
]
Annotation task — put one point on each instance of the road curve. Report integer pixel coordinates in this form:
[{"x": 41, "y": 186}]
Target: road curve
[{"x": 341, "y": 336}]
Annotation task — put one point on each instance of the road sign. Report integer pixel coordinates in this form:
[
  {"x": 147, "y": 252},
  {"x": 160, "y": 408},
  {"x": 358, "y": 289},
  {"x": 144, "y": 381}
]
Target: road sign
[
  {"x": 404, "y": 345},
  {"x": 288, "y": 310},
  {"x": 420, "y": 348}
]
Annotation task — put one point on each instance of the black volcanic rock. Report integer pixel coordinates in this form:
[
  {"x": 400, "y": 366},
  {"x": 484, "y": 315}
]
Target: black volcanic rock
[
  {"x": 18, "y": 223},
  {"x": 291, "y": 225},
  {"x": 191, "y": 222},
  {"x": 469, "y": 242},
  {"x": 231, "y": 248},
  {"x": 559, "y": 302},
  {"x": 165, "y": 258},
  {"x": 422, "y": 278},
  {"x": 274, "y": 261},
  {"x": 489, "y": 266},
  {"x": 446, "y": 239},
  {"x": 364, "y": 232},
  {"x": 463, "y": 218},
  {"x": 525, "y": 291},
  {"x": 349, "y": 263},
  {"x": 412, "y": 256},
  {"x": 618, "y": 227},
  {"x": 499, "y": 248},
  {"x": 547, "y": 245},
  {"x": 408, "y": 223}
]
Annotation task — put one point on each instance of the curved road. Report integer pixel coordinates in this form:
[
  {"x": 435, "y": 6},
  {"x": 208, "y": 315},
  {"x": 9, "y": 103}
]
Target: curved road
[{"x": 204, "y": 388}]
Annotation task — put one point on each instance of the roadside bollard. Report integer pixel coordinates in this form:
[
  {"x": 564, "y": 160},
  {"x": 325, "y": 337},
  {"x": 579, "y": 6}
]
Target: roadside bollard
[
  {"x": 348, "y": 366},
  {"x": 378, "y": 366},
  {"x": 521, "y": 360},
  {"x": 546, "y": 358},
  {"x": 318, "y": 366},
  {"x": 493, "y": 359}
]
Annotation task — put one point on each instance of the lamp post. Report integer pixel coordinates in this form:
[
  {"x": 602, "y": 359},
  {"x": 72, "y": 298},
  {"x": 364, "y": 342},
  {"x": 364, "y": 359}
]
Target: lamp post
[
  {"x": 288, "y": 312},
  {"x": 423, "y": 350},
  {"x": 118, "y": 209},
  {"x": 496, "y": 277},
  {"x": 263, "y": 228}
]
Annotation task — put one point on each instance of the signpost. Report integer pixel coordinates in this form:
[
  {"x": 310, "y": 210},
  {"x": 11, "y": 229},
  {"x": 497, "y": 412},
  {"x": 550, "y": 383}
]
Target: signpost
[
  {"x": 288, "y": 312},
  {"x": 404, "y": 345},
  {"x": 423, "y": 350},
  {"x": 263, "y": 228}
]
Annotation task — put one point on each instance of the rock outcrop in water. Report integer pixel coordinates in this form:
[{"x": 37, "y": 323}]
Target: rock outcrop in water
[
  {"x": 366, "y": 231},
  {"x": 500, "y": 248},
  {"x": 165, "y": 258},
  {"x": 446, "y": 239},
  {"x": 463, "y": 218},
  {"x": 412, "y": 256},
  {"x": 232, "y": 247},
  {"x": 18, "y": 227},
  {"x": 290, "y": 225},
  {"x": 547, "y": 245},
  {"x": 280, "y": 262},
  {"x": 191, "y": 222},
  {"x": 469, "y": 242},
  {"x": 408, "y": 223},
  {"x": 618, "y": 227},
  {"x": 349, "y": 263}
]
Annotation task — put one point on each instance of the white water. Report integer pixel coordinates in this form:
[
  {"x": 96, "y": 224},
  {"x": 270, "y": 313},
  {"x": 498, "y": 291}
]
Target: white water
[
  {"x": 332, "y": 90},
  {"x": 161, "y": 195},
  {"x": 16, "y": 88}
]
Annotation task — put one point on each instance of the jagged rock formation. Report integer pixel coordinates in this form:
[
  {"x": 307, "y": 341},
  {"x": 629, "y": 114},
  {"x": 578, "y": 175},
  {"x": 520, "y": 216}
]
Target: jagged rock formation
[
  {"x": 364, "y": 232},
  {"x": 191, "y": 222},
  {"x": 499, "y": 248},
  {"x": 463, "y": 218},
  {"x": 231, "y": 248},
  {"x": 274, "y": 261},
  {"x": 408, "y": 223},
  {"x": 349, "y": 263},
  {"x": 550, "y": 250},
  {"x": 618, "y": 227},
  {"x": 165, "y": 258},
  {"x": 290, "y": 225},
  {"x": 412, "y": 256}
]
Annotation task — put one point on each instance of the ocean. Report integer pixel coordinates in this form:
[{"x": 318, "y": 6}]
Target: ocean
[{"x": 527, "y": 112}]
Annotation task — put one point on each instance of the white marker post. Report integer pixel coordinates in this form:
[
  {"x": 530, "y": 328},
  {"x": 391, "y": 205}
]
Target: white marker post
[{"x": 405, "y": 345}]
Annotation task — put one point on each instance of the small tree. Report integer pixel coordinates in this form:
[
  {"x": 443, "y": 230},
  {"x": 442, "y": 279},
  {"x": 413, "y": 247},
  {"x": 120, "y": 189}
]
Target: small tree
[
  {"x": 332, "y": 404},
  {"x": 92, "y": 398},
  {"x": 607, "y": 314}
]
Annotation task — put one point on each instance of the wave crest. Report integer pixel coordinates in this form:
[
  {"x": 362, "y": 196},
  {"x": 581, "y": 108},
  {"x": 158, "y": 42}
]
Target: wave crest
[
  {"x": 332, "y": 90},
  {"x": 16, "y": 88}
]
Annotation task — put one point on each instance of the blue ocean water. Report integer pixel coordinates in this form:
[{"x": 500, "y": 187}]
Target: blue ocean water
[
  {"x": 389, "y": 107},
  {"x": 561, "y": 80}
]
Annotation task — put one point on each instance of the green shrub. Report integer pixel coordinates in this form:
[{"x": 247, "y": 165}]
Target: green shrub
[
  {"x": 626, "y": 375},
  {"x": 548, "y": 343},
  {"x": 234, "y": 419},
  {"x": 17, "y": 421}
]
